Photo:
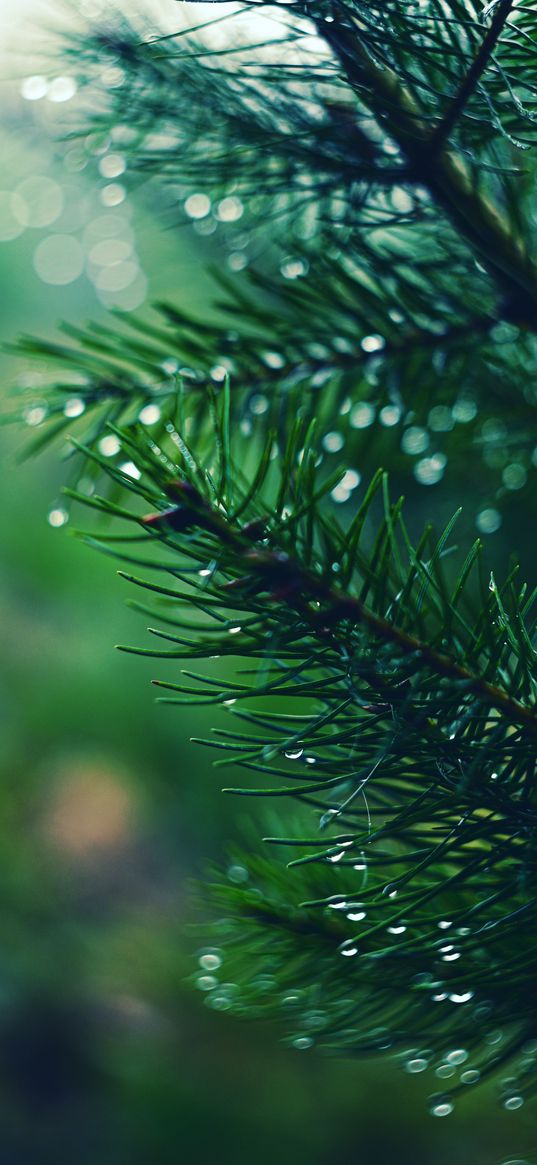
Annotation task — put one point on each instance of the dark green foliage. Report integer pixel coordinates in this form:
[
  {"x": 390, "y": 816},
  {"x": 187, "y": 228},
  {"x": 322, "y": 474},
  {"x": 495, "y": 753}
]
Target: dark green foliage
[{"x": 383, "y": 683}]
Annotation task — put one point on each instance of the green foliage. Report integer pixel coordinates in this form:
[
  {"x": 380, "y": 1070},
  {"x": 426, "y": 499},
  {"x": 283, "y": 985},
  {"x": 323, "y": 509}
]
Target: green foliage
[{"x": 383, "y": 684}]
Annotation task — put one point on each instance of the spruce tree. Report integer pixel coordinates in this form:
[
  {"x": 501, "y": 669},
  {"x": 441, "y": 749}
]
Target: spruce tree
[{"x": 376, "y": 163}]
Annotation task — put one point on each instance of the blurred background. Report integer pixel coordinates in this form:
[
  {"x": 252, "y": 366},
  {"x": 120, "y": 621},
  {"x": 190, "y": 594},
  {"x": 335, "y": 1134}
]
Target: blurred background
[{"x": 107, "y": 814}]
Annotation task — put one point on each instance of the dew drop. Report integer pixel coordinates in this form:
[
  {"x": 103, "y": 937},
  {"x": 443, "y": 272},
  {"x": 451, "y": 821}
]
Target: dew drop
[
  {"x": 294, "y": 753},
  {"x": 416, "y": 1065},
  {"x": 130, "y": 470},
  {"x": 149, "y": 415},
  {"x": 348, "y": 948},
  {"x": 441, "y": 1106},
  {"x": 430, "y": 470},
  {"x": 58, "y": 517},
  {"x": 362, "y": 415},
  {"x": 197, "y": 206},
  {"x": 414, "y": 440},
  {"x": 333, "y": 442},
  {"x": 511, "y": 1103},
  {"x": 471, "y": 1076},
  {"x": 302, "y": 1043},
  {"x": 109, "y": 446},
  {"x": 458, "y": 1056},
  {"x": 488, "y": 521},
  {"x": 373, "y": 343},
  {"x": 34, "y": 88},
  {"x": 35, "y": 414},
  {"x": 444, "y": 1071},
  {"x": 210, "y": 961},
  {"x": 463, "y": 997},
  {"x": 206, "y": 982},
  {"x": 390, "y": 415},
  {"x": 74, "y": 407}
]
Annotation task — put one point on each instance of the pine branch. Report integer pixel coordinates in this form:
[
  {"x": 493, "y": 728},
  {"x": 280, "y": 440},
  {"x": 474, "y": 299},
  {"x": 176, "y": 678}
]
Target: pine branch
[
  {"x": 415, "y": 747},
  {"x": 447, "y": 176},
  {"x": 384, "y": 692}
]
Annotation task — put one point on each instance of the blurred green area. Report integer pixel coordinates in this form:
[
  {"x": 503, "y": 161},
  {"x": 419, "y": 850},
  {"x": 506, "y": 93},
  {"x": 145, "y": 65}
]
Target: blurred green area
[{"x": 107, "y": 1052}]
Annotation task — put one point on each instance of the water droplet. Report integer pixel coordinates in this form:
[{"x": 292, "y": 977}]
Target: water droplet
[
  {"x": 373, "y": 343},
  {"x": 58, "y": 259},
  {"x": 58, "y": 516},
  {"x": 206, "y": 982},
  {"x": 258, "y": 404},
  {"x": 333, "y": 442},
  {"x": 197, "y": 205},
  {"x": 511, "y": 1103},
  {"x": 109, "y": 446},
  {"x": 74, "y": 407},
  {"x": 440, "y": 1105},
  {"x": 130, "y": 470},
  {"x": 357, "y": 915},
  {"x": 273, "y": 360},
  {"x": 464, "y": 410},
  {"x": 293, "y": 268},
  {"x": 416, "y": 1065},
  {"x": 113, "y": 194},
  {"x": 390, "y": 890},
  {"x": 238, "y": 874},
  {"x": 294, "y": 753},
  {"x": 463, "y": 997},
  {"x": 493, "y": 1037},
  {"x": 303, "y": 1042},
  {"x": 34, "y": 88},
  {"x": 440, "y": 419},
  {"x": 396, "y": 929},
  {"x": 471, "y": 1076},
  {"x": 340, "y": 494},
  {"x": 488, "y": 521},
  {"x": 210, "y": 961},
  {"x": 444, "y": 924},
  {"x": 61, "y": 89},
  {"x": 350, "y": 480},
  {"x": 430, "y": 470},
  {"x": 229, "y": 209},
  {"x": 35, "y": 414},
  {"x": 112, "y": 165},
  {"x": 348, "y": 948},
  {"x": 458, "y": 1056},
  {"x": 414, "y": 440},
  {"x": 149, "y": 415},
  {"x": 444, "y": 1071},
  {"x": 229, "y": 702},
  {"x": 362, "y": 415},
  {"x": 234, "y": 630},
  {"x": 514, "y": 476},
  {"x": 336, "y": 857},
  {"x": 390, "y": 415}
]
